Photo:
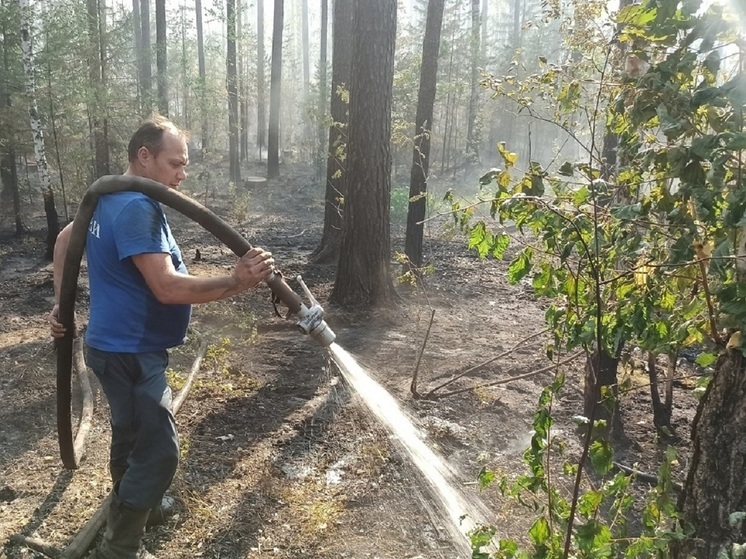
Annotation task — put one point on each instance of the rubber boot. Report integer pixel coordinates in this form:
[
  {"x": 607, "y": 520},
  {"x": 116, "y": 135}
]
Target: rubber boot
[
  {"x": 159, "y": 514},
  {"x": 125, "y": 528}
]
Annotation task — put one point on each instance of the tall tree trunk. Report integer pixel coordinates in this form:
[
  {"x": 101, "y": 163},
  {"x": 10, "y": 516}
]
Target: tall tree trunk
[
  {"x": 715, "y": 489},
  {"x": 37, "y": 130},
  {"x": 161, "y": 55},
  {"x": 323, "y": 93},
  {"x": 202, "y": 76},
  {"x": 261, "y": 111},
  {"x": 232, "y": 79},
  {"x": 55, "y": 138},
  {"x": 243, "y": 85},
  {"x": 96, "y": 58},
  {"x": 146, "y": 59},
  {"x": 363, "y": 276},
  {"x": 611, "y": 140},
  {"x": 336, "y": 157},
  {"x": 8, "y": 169},
  {"x": 275, "y": 84},
  {"x": 447, "y": 124},
  {"x": 423, "y": 129},
  {"x": 306, "y": 74},
  {"x": 484, "y": 33},
  {"x": 137, "y": 33},
  {"x": 472, "y": 134}
]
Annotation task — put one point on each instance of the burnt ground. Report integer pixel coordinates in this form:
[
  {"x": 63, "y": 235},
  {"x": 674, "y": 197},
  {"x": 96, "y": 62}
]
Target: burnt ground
[{"x": 279, "y": 457}]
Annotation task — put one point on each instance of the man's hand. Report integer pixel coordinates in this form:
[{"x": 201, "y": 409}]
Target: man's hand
[
  {"x": 253, "y": 267},
  {"x": 58, "y": 330}
]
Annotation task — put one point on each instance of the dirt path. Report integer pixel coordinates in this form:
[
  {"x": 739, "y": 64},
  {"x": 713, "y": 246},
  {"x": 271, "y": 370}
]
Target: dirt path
[{"x": 279, "y": 457}]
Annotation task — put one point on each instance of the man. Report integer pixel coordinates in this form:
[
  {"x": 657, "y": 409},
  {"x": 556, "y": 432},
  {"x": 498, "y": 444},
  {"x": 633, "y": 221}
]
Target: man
[{"x": 140, "y": 306}]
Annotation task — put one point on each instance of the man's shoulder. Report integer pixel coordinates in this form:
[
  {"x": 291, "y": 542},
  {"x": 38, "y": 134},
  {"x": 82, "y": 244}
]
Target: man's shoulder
[{"x": 128, "y": 200}]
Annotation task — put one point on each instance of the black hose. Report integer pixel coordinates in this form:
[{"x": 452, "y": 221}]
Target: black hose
[{"x": 69, "y": 286}]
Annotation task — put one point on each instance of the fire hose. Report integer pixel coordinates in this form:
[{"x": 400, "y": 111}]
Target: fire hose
[{"x": 310, "y": 319}]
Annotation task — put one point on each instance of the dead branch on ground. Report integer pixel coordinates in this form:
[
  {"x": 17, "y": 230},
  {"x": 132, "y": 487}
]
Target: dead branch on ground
[
  {"x": 509, "y": 379},
  {"x": 484, "y": 364},
  {"x": 413, "y": 386}
]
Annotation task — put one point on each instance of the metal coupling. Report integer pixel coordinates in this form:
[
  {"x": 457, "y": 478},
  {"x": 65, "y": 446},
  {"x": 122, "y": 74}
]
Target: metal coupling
[{"x": 311, "y": 320}]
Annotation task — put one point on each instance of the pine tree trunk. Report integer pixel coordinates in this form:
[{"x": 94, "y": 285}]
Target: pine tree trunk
[
  {"x": 146, "y": 59},
  {"x": 472, "y": 136},
  {"x": 261, "y": 110},
  {"x": 232, "y": 79},
  {"x": 275, "y": 85},
  {"x": 423, "y": 129},
  {"x": 96, "y": 57},
  {"x": 184, "y": 64},
  {"x": 447, "y": 119},
  {"x": 137, "y": 33},
  {"x": 715, "y": 488},
  {"x": 37, "y": 130},
  {"x": 306, "y": 71},
  {"x": 363, "y": 276},
  {"x": 202, "y": 76},
  {"x": 323, "y": 93},
  {"x": 8, "y": 169},
  {"x": 161, "y": 56},
  {"x": 336, "y": 159},
  {"x": 243, "y": 102}
]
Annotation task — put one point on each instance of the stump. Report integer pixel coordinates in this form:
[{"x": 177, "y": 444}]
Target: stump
[{"x": 254, "y": 182}]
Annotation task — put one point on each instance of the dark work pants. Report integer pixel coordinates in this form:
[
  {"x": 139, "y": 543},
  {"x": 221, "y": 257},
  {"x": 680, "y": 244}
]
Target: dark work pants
[{"x": 144, "y": 442}]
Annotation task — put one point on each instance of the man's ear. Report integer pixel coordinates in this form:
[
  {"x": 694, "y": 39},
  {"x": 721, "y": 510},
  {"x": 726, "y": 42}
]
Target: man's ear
[{"x": 143, "y": 155}]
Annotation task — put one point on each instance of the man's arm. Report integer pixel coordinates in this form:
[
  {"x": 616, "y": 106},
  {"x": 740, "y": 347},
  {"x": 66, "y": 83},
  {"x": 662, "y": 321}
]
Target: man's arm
[{"x": 171, "y": 287}]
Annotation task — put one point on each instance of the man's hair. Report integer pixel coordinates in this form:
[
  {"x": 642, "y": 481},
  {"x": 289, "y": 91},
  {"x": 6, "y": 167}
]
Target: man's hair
[{"x": 150, "y": 136}]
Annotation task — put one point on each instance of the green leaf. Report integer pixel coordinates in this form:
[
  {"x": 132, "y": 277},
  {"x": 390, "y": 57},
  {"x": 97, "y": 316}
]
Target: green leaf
[
  {"x": 601, "y": 455},
  {"x": 539, "y": 532},
  {"x": 480, "y": 239},
  {"x": 712, "y": 62},
  {"x": 706, "y": 359},
  {"x": 486, "y": 477},
  {"x": 488, "y": 177},
  {"x": 637, "y": 15},
  {"x": 589, "y": 502},
  {"x": 737, "y": 142},
  {"x": 581, "y": 196},
  {"x": 500, "y": 245},
  {"x": 479, "y": 538},
  {"x": 693, "y": 174},
  {"x": 509, "y": 157},
  {"x": 566, "y": 170},
  {"x": 519, "y": 268}
]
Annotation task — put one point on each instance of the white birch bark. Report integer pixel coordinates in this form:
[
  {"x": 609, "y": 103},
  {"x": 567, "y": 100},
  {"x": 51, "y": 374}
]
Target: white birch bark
[{"x": 37, "y": 129}]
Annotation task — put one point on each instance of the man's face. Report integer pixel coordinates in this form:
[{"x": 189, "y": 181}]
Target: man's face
[{"x": 167, "y": 167}]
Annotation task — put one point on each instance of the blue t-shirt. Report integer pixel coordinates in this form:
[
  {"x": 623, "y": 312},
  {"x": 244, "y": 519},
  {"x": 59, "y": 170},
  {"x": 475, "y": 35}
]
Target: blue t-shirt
[{"x": 125, "y": 315}]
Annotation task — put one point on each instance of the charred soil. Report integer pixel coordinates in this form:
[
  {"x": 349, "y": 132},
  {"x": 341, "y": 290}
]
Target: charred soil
[{"x": 279, "y": 456}]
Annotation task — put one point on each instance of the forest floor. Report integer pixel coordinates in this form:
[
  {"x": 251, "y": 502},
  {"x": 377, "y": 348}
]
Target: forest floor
[{"x": 280, "y": 457}]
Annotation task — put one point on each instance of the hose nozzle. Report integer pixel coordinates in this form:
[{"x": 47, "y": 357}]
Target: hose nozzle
[{"x": 311, "y": 320}]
